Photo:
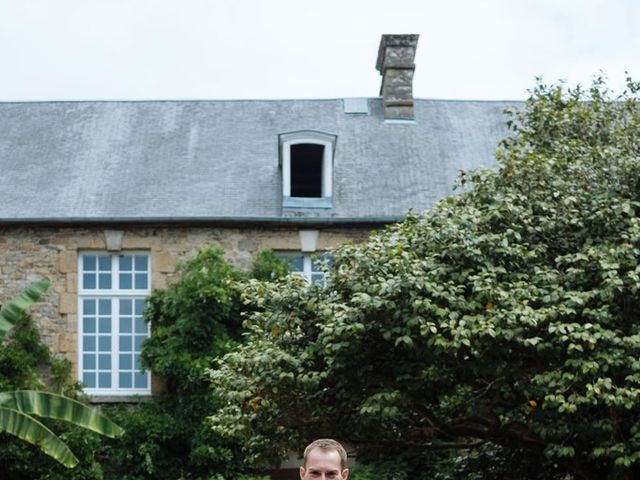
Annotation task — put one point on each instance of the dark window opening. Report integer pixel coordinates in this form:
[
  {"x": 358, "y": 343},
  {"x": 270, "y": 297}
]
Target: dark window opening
[{"x": 306, "y": 170}]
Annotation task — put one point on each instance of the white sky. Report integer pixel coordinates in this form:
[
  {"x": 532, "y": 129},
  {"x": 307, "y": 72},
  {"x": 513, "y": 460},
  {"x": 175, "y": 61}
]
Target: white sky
[{"x": 215, "y": 49}]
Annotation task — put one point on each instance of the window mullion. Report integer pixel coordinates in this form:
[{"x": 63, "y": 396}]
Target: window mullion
[
  {"x": 115, "y": 346},
  {"x": 307, "y": 267},
  {"x": 115, "y": 272}
]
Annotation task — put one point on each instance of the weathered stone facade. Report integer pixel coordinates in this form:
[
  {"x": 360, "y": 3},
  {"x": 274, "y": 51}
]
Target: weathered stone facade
[{"x": 28, "y": 253}]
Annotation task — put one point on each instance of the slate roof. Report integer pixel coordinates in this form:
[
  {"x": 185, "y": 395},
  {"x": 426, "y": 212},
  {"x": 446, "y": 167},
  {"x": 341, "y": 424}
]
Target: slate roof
[{"x": 165, "y": 161}]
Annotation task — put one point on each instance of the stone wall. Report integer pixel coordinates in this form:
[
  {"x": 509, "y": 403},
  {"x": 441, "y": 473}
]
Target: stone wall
[{"x": 30, "y": 253}]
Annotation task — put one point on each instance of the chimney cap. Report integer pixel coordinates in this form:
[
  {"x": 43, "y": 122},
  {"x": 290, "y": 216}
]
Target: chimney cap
[{"x": 394, "y": 40}]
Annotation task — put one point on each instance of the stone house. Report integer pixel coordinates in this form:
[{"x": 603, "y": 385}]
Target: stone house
[{"x": 106, "y": 197}]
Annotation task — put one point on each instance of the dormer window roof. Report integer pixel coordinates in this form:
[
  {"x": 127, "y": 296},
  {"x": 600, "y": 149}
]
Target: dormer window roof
[{"x": 307, "y": 169}]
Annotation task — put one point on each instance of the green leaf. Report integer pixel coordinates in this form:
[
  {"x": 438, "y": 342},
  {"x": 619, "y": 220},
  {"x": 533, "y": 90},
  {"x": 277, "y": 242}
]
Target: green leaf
[
  {"x": 13, "y": 310},
  {"x": 32, "y": 431},
  {"x": 17, "y": 408},
  {"x": 58, "y": 407}
]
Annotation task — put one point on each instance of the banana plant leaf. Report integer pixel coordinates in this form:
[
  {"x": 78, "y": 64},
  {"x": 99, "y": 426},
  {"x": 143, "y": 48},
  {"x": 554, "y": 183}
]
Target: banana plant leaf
[
  {"x": 58, "y": 407},
  {"x": 17, "y": 408},
  {"x": 13, "y": 310},
  {"x": 29, "y": 429}
]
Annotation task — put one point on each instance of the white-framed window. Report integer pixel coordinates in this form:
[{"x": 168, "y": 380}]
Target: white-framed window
[
  {"x": 307, "y": 169},
  {"x": 111, "y": 298},
  {"x": 306, "y": 265}
]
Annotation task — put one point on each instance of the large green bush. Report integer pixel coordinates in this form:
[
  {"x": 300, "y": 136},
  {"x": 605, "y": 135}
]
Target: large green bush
[{"x": 503, "y": 324}]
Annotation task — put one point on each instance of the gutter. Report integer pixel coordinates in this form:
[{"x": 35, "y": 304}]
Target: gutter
[{"x": 204, "y": 221}]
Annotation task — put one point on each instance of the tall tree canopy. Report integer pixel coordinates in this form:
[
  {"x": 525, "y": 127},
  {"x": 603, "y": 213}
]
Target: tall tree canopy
[{"x": 508, "y": 315}]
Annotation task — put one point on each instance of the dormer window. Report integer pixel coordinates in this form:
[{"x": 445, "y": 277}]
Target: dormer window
[{"x": 307, "y": 169}]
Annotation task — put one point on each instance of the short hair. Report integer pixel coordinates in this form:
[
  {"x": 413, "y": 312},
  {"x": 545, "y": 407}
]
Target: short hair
[{"x": 326, "y": 444}]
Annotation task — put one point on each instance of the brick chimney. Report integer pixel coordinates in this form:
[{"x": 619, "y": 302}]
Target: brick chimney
[{"x": 395, "y": 64}]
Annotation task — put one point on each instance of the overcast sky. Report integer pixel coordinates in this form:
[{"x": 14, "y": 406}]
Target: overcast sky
[{"x": 215, "y": 49}]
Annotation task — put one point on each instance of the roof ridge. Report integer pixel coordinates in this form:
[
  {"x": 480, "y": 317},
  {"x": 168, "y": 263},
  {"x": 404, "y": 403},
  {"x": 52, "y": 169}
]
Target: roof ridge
[{"x": 246, "y": 100}]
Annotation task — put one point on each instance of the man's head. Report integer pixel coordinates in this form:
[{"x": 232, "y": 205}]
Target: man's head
[{"x": 324, "y": 459}]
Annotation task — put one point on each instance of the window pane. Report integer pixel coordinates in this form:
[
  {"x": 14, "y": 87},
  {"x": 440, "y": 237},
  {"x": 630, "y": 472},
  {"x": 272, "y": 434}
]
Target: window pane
[
  {"x": 104, "y": 362},
  {"x": 125, "y": 362},
  {"x": 139, "y": 307},
  {"x": 125, "y": 344},
  {"x": 125, "y": 325},
  {"x": 125, "y": 307},
  {"x": 140, "y": 380},
  {"x": 141, "y": 326},
  {"x": 125, "y": 380},
  {"x": 297, "y": 263},
  {"x": 104, "y": 380},
  {"x": 89, "y": 362},
  {"x": 104, "y": 325},
  {"x": 88, "y": 281},
  {"x": 104, "y": 263},
  {"x": 89, "y": 307},
  {"x": 104, "y": 281},
  {"x": 138, "y": 364},
  {"x": 88, "y": 343},
  {"x": 126, "y": 262},
  {"x": 89, "y": 325},
  {"x": 89, "y": 262},
  {"x": 125, "y": 281},
  {"x": 104, "y": 344},
  {"x": 141, "y": 281},
  {"x": 104, "y": 307},
  {"x": 141, "y": 262},
  {"x": 89, "y": 379},
  {"x": 138, "y": 342}
]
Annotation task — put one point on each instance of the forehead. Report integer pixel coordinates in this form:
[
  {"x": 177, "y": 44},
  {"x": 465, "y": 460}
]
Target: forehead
[{"x": 321, "y": 459}]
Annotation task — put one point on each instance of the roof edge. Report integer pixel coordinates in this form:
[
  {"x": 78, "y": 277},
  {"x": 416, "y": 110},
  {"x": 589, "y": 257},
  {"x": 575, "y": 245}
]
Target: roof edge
[
  {"x": 239, "y": 100},
  {"x": 200, "y": 221}
]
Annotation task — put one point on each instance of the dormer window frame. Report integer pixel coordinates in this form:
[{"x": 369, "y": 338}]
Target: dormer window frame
[{"x": 313, "y": 137}]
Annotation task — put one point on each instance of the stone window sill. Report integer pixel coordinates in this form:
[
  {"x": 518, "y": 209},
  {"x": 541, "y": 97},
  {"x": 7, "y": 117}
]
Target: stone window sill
[{"x": 120, "y": 398}]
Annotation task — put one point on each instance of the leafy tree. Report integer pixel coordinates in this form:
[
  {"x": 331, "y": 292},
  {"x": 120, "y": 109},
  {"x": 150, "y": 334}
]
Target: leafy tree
[
  {"x": 501, "y": 324},
  {"x": 194, "y": 321},
  {"x": 17, "y": 408}
]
